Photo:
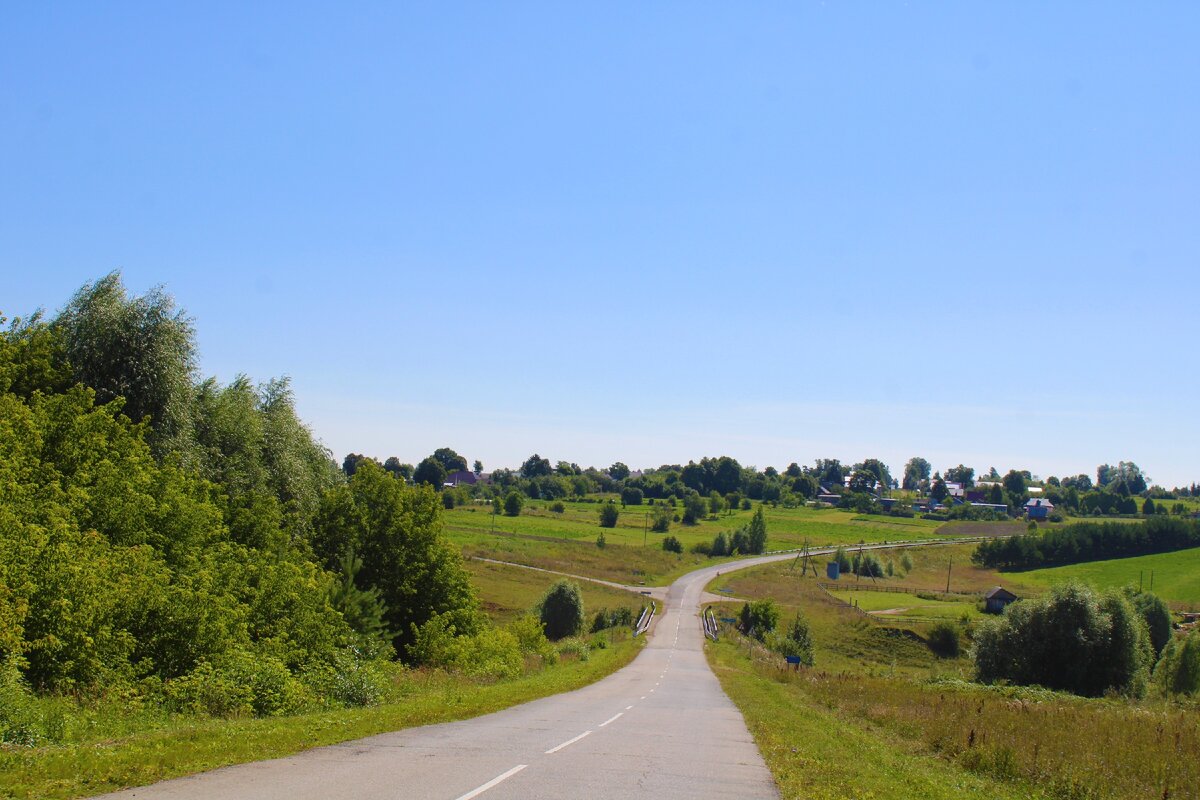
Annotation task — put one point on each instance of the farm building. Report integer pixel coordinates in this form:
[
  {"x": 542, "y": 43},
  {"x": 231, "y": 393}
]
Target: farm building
[
  {"x": 461, "y": 478},
  {"x": 998, "y": 599},
  {"x": 1038, "y": 508}
]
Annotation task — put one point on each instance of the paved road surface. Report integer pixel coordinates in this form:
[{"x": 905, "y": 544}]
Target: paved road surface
[{"x": 659, "y": 728}]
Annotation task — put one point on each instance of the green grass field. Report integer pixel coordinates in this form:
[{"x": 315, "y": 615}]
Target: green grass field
[
  {"x": 1176, "y": 576},
  {"x": 506, "y": 592},
  {"x": 566, "y": 542},
  {"x": 908, "y": 605}
]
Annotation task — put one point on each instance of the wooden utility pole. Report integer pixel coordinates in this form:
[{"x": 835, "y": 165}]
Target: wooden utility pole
[
  {"x": 646, "y": 529},
  {"x": 949, "y": 567}
]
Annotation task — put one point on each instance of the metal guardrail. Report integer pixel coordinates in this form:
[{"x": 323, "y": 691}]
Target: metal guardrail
[
  {"x": 708, "y": 621},
  {"x": 644, "y": 620}
]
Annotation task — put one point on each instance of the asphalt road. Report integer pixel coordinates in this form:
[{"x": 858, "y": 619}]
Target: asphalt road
[{"x": 659, "y": 728}]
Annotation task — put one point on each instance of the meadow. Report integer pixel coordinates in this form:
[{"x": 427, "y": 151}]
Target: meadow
[
  {"x": 506, "y": 592},
  {"x": 1175, "y": 576},
  {"x": 566, "y": 541}
]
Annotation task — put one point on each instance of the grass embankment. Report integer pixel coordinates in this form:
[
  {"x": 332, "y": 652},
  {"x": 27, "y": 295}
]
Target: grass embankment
[
  {"x": 881, "y": 716},
  {"x": 1176, "y": 575},
  {"x": 507, "y": 592},
  {"x": 854, "y": 735},
  {"x": 118, "y": 746},
  {"x": 814, "y": 753}
]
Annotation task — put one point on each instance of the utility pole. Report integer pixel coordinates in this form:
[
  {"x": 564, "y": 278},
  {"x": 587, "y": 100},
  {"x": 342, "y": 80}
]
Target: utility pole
[
  {"x": 949, "y": 567},
  {"x": 646, "y": 530}
]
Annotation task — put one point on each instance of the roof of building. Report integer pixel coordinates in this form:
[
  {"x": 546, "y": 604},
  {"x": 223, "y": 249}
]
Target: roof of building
[
  {"x": 1000, "y": 593},
  {"x": 1038, "y": 502}
]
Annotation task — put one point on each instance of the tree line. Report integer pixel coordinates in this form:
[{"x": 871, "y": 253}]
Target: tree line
[
  {"x": 192, "y": 543},
  {"x": 1088, "y": 541}
]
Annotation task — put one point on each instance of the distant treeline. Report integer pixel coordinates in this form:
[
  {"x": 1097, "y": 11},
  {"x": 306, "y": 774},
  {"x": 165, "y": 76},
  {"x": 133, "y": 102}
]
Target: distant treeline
[{"x": 1089, "y": 541}]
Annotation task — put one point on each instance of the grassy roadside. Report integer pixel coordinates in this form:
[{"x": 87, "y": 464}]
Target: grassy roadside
[
  {"x": 815, "y": 754},
  {"x": 188, "y": 745}
]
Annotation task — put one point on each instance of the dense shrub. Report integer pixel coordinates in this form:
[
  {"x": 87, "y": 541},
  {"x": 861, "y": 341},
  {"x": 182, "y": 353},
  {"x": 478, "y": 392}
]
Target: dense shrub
[
  {"x": 561, "y": 610},
  {"x": 631, "y": 496},
  {"x": 796, "y": 641},
  {"x": 943, "y": 639},
  {"x": 1178, "y": 671},
  {"x": 608, "y": 515},
  {"x": 672, "y": 545},
  {"x": 512, "y": 503},
  {"x": 660, "y": 519},
  {"x": 758, "y": 618},
  {"x": 1072, "y": 640}
]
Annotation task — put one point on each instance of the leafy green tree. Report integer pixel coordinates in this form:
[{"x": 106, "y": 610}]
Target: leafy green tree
[
  {"x": 535, "y": 466},
  {"x": 399, "y": 470},
  {"x": 512, "y": 503},
  {"x": 631, "y": 496},
  {"x": 608, "y": 514},
  {"x": 793, "y": 470},
  {"x": 561, "y": 610},
  {"x": 862, "y": 481},
  {"x": 1156, "y": 615},
  {"x": 944, "y": 640},
  {"x": 757, "y": 533},
  {"x": 720, "y": 545},
  {"x": 842, "y": 559},
  {"x": 450, "y": 460},
  {"x": 1178, "y": 671},
  {"x": 758, "y": 618},
  {"x": 1017, "y": 486},
  {"x": 716, "y": 503},
  {"x": 349, "y": 463},
  {"x": 1072, "y": 640},
  {"x": 694, "y": 508},
  {"x": 397, "y": 531},
  {"x": 672, "y": 544},
  {"x": 363, "y": 609},
  {"x": 797, "y": 641},
  {"x": 878, "y": 469},
  {"x": 618, "y": 471},
  {"x": 961, "y": 474},
  {"x": 141, "y": 349},
  {"x": 939, "y": 491},
  {"x": 660, "y": 519},
  {"x": 477, "y": 467},
  {"x": 430, "y": 472},
  {"x": 739, "y": 542},
  {"x": 916, "y": 473}
]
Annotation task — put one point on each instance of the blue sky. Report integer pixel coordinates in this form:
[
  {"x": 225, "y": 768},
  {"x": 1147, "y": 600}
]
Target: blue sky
[{"x": 646, "y": 232}]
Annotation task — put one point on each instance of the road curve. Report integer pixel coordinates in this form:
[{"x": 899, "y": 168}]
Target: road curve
[{"x": 658, "y": 728}]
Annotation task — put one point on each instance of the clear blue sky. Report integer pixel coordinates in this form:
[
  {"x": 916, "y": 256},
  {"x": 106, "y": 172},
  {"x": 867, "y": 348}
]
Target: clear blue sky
[{"x": 646, "y": 232}]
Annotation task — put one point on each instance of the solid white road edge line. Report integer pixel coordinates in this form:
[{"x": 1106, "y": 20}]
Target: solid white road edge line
[
  {"x": 567, "y": 743},
  {"x": 493, "y": 782},
  {"x": 611, "y": 719}
]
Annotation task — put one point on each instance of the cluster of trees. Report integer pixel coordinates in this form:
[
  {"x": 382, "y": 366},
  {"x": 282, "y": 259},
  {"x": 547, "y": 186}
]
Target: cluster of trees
[
  {"x": 1077, "y": 640},
  {"x": 1088, "y": 541},
  {"x": 191, "y": 541},
  {"x": 759, "y": 619},
  {"x": 749, "y": 539}
]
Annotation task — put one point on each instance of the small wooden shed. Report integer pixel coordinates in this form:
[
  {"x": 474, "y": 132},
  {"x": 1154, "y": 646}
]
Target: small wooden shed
[{"x": 998, "y": 599}]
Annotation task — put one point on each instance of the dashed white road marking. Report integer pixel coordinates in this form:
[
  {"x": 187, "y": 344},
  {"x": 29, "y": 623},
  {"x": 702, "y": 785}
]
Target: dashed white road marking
[
  {"x": 628, "y": 707},
  {"x": 567, "y": 743},
  {"x": 643, "y": 697},
  {"x": 493, "y": 782},
  {"x": 613, "y": 718}
]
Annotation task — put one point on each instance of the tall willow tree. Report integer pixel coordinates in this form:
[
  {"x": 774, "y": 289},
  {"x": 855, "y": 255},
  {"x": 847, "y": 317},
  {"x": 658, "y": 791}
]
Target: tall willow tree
[{"x": 141, "y": 349}]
